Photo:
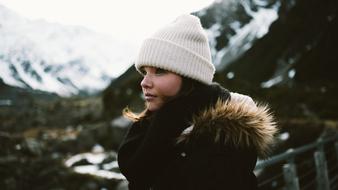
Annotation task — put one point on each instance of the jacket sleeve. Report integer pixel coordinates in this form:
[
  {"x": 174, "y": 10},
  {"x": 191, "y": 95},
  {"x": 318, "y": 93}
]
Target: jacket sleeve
[{"x": 210, "y": 168}]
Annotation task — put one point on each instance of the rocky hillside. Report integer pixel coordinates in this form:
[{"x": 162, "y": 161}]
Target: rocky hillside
[
  {"x": 299, "y": 48},
  {"x": 48, "y": 142}
]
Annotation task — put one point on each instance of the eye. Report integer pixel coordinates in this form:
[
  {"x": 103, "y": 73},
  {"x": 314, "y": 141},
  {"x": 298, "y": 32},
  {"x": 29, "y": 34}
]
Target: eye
[
  {"x": 160, "y": 71},
  {"x": 143, "y": 72}
]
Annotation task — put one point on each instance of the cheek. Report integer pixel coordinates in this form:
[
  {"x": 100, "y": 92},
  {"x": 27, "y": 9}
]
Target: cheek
[{"x": 171, "y": 87}]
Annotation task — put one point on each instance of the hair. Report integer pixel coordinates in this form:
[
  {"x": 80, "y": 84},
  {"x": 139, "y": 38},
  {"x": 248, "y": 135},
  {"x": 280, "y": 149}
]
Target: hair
[{"x": 188, "y": 86}]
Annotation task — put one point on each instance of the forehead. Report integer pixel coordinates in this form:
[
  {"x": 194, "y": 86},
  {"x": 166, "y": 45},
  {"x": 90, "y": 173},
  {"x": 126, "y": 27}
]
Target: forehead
[{"x": 151, "y": 68}]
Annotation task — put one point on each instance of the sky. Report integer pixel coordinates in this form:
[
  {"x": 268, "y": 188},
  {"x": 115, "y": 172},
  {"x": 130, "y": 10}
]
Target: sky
[{"x": 127, "y": 20}]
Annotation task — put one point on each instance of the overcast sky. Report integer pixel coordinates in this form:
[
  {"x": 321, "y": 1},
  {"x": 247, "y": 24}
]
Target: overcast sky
[{"x": 127, "y": 20}]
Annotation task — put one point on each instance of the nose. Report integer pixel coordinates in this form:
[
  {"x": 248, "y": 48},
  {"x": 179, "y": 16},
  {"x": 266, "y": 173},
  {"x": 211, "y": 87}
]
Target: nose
[{"x": 146, "y": 82}]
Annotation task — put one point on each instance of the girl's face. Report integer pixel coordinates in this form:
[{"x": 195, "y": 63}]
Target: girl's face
[{"x": 158, "y": 86}]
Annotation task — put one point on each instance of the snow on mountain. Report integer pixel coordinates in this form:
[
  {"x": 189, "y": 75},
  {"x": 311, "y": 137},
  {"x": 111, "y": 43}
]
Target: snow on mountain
[
  {"x": 244, "y": 33},
  {"x": 56, "y": 58}
]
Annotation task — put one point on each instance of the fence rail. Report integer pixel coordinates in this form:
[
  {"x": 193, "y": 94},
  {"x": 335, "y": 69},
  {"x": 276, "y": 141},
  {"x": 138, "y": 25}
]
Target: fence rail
[{"x": 322, "y": 180}]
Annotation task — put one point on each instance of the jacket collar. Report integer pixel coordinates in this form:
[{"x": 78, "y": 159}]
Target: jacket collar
[{"x": 234, "y": 123}]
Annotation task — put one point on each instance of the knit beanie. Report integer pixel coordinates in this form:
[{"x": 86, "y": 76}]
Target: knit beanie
[{"x": 181, "y": 47}]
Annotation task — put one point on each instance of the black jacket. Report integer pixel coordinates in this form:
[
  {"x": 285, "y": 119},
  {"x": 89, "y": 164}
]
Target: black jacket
[{"x": 202, "y": 141}]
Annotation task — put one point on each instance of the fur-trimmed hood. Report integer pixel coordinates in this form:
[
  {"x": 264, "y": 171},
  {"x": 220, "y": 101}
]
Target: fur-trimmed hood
[{"x": 237, "y": 122}]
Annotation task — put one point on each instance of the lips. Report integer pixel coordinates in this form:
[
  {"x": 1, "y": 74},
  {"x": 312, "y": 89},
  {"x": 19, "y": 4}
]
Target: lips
[{"x": 149, "y": 96}]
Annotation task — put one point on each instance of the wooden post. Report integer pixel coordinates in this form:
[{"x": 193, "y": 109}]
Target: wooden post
[
  {"x": 291, "y": 159},
  {"x": 320, "y": 144},
  {"x": 290, "y": 177},
  {"x": 336, "y": 146},
  {"x": 321, "y": 169}
]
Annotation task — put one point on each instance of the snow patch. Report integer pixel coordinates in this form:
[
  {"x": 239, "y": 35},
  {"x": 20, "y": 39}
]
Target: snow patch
[
  {"x": 246, "y": 35},
  {"x": 284, "y": 136}
]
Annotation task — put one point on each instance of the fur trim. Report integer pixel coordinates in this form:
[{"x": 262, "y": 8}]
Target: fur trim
[{"x": 237, "y": 123}]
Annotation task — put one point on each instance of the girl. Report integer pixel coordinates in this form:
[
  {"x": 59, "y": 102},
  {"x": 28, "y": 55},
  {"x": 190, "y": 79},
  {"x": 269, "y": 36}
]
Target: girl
[{"x": 193, "y": 134}]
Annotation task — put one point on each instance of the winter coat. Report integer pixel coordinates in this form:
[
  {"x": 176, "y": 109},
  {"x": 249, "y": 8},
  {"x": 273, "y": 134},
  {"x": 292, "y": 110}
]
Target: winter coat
[{"x": 206, "y": 140}]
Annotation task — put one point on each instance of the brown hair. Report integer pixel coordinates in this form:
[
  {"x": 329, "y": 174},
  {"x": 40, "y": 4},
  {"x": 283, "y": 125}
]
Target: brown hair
[{"x": 188, "y": 85}]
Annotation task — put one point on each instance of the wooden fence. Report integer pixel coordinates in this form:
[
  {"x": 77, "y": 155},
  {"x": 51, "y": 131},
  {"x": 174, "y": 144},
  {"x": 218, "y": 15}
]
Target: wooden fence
[{"x": 313, "y": 166}]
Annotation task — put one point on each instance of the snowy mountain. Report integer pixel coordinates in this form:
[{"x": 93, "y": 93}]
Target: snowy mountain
[
  {"x": 51, "y": 57},
  {"x": 233, "y": 26},
  {"x": 299, "y": 48}
]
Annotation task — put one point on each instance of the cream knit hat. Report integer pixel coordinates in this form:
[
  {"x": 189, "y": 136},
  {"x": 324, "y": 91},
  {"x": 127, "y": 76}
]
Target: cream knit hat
[{"x": 181, "y": 47}]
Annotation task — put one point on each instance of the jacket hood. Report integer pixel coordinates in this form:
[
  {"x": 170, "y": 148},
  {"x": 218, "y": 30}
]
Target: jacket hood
[{"x": 235, "y": 122}]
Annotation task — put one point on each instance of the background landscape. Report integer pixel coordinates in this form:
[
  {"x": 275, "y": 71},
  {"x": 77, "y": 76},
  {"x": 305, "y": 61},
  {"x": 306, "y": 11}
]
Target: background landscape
[{"x": 61, "y": 97}]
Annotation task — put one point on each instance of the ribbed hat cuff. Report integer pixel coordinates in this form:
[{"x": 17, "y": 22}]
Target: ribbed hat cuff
[{"x": 172, "y": 57}]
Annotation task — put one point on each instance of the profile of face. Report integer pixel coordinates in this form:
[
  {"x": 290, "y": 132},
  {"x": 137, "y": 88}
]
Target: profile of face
[{"x": 159, "y": 86}]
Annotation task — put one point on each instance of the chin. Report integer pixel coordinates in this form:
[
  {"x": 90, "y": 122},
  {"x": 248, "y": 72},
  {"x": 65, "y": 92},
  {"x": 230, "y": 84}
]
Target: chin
[{"x": 153, "y": 107}]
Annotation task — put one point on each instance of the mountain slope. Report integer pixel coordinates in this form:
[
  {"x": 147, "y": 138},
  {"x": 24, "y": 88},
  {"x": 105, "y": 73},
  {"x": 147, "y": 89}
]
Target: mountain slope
[
  {"x": 56, "y": 58},
  {"x": 234, "y": 26},
  {"x": 299, "y": 48}
]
